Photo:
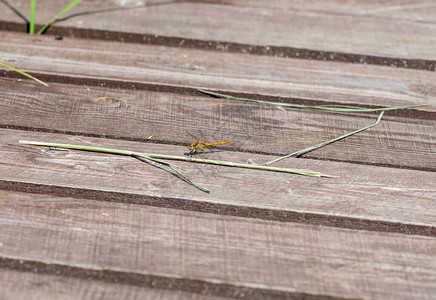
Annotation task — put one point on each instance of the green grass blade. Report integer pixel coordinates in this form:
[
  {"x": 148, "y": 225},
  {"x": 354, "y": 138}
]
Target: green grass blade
[
  {"x": 23, "y": 73},
  {"x": 32, "y": 16},
  {"x": 335, "y": 108},
  {"x": 174, "y": 168},
  {"x": 157, "y": 157},
  {"x": 180, "y": 158},
  {"x": 119, "y": 152},
  {"x": 64, "y": 10},
  {"x": 301, "y": 152}
]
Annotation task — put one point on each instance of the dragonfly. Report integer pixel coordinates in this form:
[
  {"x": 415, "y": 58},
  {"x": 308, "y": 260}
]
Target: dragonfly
[{"x": 199, "y": 145}]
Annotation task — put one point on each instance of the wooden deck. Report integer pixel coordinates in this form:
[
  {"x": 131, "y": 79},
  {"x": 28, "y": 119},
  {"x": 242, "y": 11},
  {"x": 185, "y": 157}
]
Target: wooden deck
[{"x": 84, "y": 225}]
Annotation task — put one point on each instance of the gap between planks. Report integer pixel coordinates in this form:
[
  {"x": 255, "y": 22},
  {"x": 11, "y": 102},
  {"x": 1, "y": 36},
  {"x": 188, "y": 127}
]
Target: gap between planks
[
  {"x": 84, "y": 82},
  {"x": 400, "y": 142},
  {"x": 189, "y": 287},
  {"x": 38, "y": 285},
  {"x": 230, "y": 47},
  {"x": 349, "y": 84},
  {"x": 207, "y": 253},
  {"x": 228, "y": 33},
  {"x": 363, "y": 197},
  {"x": 283, "y": 215}
]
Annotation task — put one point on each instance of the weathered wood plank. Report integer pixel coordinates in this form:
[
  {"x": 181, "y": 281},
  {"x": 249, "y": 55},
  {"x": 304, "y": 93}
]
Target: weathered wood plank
[
  {"x": 372, "y": 198},
  {"x": 367, "y": 36},
  {"x": 208, "y": 251},
  {"x": 99, "y": 111},
  {"x": 410, "y": 10},
  {"x": 273, "y": 76},
  {"x": 16, "y": 285}
]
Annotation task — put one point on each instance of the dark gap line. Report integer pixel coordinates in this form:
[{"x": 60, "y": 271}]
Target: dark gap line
[
  {"x": 223, "y": 209},
  {"x": 201, "y": 287},
  {"x": 74, "y": 133},
  {"x": 364, "y": 163},
  {"x": 222, "y": 46},
  {"x": 191, "y": 91},
  {"x": 165, "y": 142}
]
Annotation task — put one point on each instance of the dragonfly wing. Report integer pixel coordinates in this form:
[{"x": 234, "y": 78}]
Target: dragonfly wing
[{"x": 193, "y": 136}]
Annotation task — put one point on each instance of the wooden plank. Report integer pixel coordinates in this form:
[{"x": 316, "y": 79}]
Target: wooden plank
[
  {"x": 98, "y": 111},
  {"x": 410, "y": 10},
  {"x": 416, "y": 11},
  {"x": 202, "y": 253},
  {"x": 371, "y": 198},
  {"x": 16, "y": 285},
  {"x": 374, "y": 39},
  {"x": 302, "y": 80}
]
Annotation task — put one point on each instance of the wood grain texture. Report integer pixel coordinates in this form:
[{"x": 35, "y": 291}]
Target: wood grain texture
[
  {"x": 99, "y": 111},
  {"x": 411, "y": 10},
  {"x": 18, "y": 285},
  {"x": 89, "y": 225},
  {"x": 372, "y": 198},
  {"x": 254, "y": 255},
  {"x": 297, "y": 29},
  {"x": 271, "y": 76}
]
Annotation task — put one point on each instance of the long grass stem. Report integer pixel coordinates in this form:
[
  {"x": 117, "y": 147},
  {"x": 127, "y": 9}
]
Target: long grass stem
[
  {"x": 175, "y": 168},
  {"x": 335, "y": 108},
  {"x": 158, "y": 157},
  {"x": 32, "y": 17},
  {"x": 311, "y": 148}
]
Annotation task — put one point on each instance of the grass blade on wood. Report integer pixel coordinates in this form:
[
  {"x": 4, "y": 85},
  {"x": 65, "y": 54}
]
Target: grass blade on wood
[
  {"x": 335, "y": 108},
  {"x": 158, "y": 157},
  {"x": 172, "y": 167},
  {"x": 312, "y": 148},
  {"x": 63, "y": 11},
  {"x": 23, "y": 73},
  {"x": 175, "y": 168},
  {"x": 32, "y": 17}
]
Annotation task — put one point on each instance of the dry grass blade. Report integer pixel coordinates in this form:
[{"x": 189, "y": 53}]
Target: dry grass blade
[
  {"x": 312, "y": 148},
  {"x": 334, "y": 108},
  {"x": 158, "y": 157},
  {"x": 24, "y": 73}
]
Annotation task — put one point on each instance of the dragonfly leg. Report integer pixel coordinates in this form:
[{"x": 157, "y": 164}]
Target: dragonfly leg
[
  {"x": 192, "y": 152},
  {"x": 196, "y": 151}
]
